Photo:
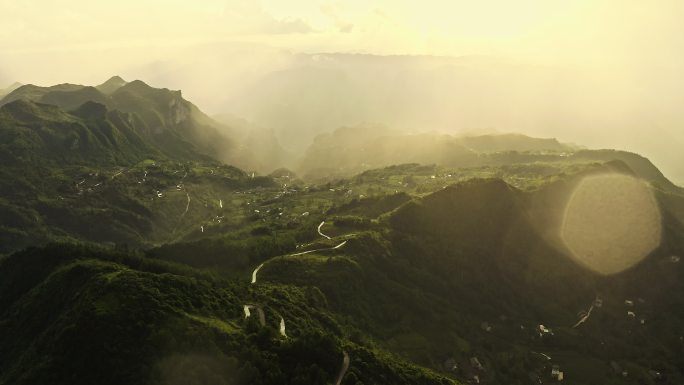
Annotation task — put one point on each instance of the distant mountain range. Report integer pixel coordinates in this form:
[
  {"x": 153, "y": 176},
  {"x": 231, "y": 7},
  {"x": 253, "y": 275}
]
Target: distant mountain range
[
  {"x": 158, "y": 118},
  {"x": 350, "y": 150}
]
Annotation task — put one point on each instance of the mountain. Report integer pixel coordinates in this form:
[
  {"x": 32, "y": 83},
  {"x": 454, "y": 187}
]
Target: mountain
[
  {"x": 9, "y": 89},
  {"x": 111, "y": 85},
  {"x": 130, "y": 254},
  {"x": 176, "y": 127},
  {"x": 35, "y": 93},
  {"x": 315, "y": 93},
  {"x": 169, "y": 121},
  {"x": 258, "y": 150},
  {"x": 163, "y": 118},
  {"x": 417, "y": 273},
  {"x": 301, "y": 96},
  {"x": 350, "y": 150},
  {"x": 464, "y": 272},
  {"x": 88, "y": 155},
  {"x": 71, "y": 99},
  {"x": 86, "y": 315},
  {"x": 88, "y": 135},
  {"x": 512, "y": 142}
]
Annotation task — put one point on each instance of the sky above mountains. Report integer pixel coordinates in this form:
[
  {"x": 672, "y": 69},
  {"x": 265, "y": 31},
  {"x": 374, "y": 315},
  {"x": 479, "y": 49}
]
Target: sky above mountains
[
  {"x": 614, "y": 63},
  {"x": 586, "y": 31},
  {"x": 633, "y": 39}
]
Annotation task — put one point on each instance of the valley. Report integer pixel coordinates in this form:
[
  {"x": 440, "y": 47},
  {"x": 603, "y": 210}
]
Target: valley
[{"x": 133, "y": 253}]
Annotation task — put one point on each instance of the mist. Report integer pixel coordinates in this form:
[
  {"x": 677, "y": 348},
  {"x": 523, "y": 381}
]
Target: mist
[
  {"x": 601, "y": 75},
  {"x": 303, "y": 192}
]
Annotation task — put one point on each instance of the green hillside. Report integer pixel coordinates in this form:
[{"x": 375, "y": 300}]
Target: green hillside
[
  {"x": 85, "y": 315},
  {"x": 163, "y": 118},
  {"x": 130, "y": 253}
]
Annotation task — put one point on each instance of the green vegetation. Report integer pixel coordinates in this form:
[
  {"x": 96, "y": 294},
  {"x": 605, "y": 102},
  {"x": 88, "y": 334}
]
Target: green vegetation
[{"x": 127, "y": 256}]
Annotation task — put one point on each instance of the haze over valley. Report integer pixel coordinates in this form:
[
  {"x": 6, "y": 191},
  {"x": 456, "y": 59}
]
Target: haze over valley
[{"x": 321, "y": 192}]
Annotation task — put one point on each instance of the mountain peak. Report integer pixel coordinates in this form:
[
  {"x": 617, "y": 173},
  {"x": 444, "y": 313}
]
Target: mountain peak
[
  {"x": 138, "y": 84},
  {"x": 111, "y": 85},
  {"x": 115, "y": 79}
]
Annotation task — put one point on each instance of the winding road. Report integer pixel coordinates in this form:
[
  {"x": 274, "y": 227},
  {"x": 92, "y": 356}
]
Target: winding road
[
  {"x": 262, "y": 317},
  {"x": 585, "y": 317},
  {"x": 316, "y": 250},
  {"x": 254, "y": 273},
  {"x": 282, "y": 327},
  {"x": 319, "y": 230},
  {"x": 343, "y": 369},
  {"x": 186, "y": 206},
  {"x": 260, "y": 312}
]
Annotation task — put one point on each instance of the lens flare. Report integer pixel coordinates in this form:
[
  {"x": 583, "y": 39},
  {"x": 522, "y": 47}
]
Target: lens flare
[{"x": 611, "y": 222}]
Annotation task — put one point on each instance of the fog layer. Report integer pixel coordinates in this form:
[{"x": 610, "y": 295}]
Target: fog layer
[{"x": 597, "y": 73}]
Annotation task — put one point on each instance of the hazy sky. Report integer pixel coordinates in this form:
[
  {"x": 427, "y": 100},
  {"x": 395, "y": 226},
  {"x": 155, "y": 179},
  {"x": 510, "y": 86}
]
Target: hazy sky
[
  {"x": 629, "y": 52},
  {"x": 586, "y": 31},
  {"x": 41, "y": 41}
]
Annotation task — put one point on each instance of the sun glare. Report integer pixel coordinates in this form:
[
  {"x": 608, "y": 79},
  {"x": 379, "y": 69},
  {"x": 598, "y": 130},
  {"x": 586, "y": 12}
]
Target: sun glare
[{"x": 611, "y": 223}]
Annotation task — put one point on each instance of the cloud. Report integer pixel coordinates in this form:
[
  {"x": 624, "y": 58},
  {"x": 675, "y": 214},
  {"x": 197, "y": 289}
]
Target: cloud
[
  {"x": 333, "y": 13},
  {"x": 287, "y": 27},
  {"x": 246, "y": 17}
]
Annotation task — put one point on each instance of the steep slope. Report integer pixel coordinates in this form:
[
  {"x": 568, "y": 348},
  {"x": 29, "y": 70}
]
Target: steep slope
[
  {"x": 74, "y": 315},
  {"x": 167, "y": 121},
  {"x": 41, "y": 132},
  {"x": 172, "y": 123},
  {"x": 84, "y": 175}
]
